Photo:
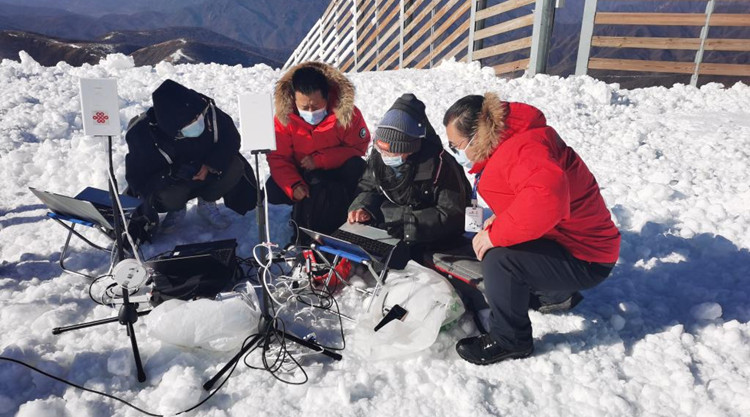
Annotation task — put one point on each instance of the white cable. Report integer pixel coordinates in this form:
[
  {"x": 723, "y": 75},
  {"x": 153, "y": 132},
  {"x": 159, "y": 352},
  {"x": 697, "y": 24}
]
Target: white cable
[
  {"x": 265, "y": 266},
  {"x": 265, "y": 206}
]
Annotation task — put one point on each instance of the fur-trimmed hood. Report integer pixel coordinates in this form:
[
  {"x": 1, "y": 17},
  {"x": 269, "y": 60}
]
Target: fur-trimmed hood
[
  {"x": 490, "y": 126},
  {"x": 340, "y": 93},
  {"x": 499, "y": 121}
]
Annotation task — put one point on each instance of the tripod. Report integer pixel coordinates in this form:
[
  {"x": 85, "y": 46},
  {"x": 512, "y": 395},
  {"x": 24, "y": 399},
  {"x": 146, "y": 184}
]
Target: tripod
[
  {"x": 128, "y": 314},
  {"x": 266, "y": 324}
]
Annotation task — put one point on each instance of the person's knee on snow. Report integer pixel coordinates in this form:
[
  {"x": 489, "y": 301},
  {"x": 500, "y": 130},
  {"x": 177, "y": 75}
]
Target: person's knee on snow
[
  {"x": 536, "y": 240},
  {"x": 182, "y": 147},
  {"x": 319, "y": 133}
]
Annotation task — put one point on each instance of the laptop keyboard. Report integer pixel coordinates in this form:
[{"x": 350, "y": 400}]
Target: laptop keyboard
[{"x": 373, "y": 247}]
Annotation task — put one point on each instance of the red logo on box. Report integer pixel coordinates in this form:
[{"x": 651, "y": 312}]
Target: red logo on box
[{"x": 100, "y": 117}]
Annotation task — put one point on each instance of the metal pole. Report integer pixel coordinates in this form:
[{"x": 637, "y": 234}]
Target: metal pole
[
  {"x": 540, "y": 38},
  {"x": 401, "y": 36},
  {"x": 472, "y": 25},
  {"x": 377, "y": 38},
  {"x": 432, "y": 30},
  {"x": 479, "y": 25},
  {"x": 356, "y": 38},
  {"x": 587, "y": 32},
  {"x": 704, "y": 35},
  {"x": 337, "y": 39},
  {"x": 320, "y": 40}
]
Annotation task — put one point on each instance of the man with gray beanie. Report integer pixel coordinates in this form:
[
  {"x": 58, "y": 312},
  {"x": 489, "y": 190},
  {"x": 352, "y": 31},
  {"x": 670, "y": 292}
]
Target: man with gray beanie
[{"x": 412, "y": 187}]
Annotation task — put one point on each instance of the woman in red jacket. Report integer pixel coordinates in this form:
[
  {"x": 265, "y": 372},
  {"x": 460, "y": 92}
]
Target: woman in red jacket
[
  {"x": 321, "y": 138},
  {"x": 551, "y": 232}
]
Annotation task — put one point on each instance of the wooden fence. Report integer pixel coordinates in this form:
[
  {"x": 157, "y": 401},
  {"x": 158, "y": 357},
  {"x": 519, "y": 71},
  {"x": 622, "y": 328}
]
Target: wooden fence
[
  {"x": 593, "y": 18},
  {"x": 368, "y": 35}
]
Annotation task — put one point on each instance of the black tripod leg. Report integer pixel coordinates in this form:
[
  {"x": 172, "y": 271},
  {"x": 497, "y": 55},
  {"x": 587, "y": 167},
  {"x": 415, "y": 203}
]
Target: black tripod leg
[
  {"x": 58, "y": 330},
  {"x": 208, "y": 385},
  {"x": 136, "y": 354}
]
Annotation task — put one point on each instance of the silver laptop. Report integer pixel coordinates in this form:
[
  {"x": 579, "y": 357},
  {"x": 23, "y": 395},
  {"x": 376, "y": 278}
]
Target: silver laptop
[{"x": 72, "y": 207}]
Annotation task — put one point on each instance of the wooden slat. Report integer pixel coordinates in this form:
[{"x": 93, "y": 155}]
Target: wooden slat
[
  {"x": 520, "y": 65},
  {"x": 416, "y": 36},
  {"x": 739, "y": 45},
  {"x": 507, "y": 26},
  {"x": 725, "y": 69},
  {"x": 503, "y": 48},
  {"x": 329, "y": 21},
  {"x": 364, "y": 20},
  {"x": 385, "y": 22},
  {"x": 671, "y": 19},
  {"x": 457, "y": 51},
  {"x": 501, "y": 8},
  {"x": 444, "y": 44},
  {"x": 390, "y": 46},
  {"x": 346, "y": 66},
  {"x": 640, "y": 65},
  {"x": 720, "y": 19},
  {"x": 439, "y": 31},
  {"x": 416, "y": 20},
  {"x": 410, "y": 10},
  {"x": 378, "y": 28},
  {"x": 645, "y": 43}
]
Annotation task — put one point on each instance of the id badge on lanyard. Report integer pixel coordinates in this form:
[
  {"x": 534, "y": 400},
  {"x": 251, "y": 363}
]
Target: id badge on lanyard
[{"x": 474, "y": 218}]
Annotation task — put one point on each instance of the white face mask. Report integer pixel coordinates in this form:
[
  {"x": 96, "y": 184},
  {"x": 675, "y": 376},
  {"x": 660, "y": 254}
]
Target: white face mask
[
  {"x": 313, "y": 117},
  {"x": 460, "y": 155},
  {"x": 392, "y": 161},
  {"x": 195, "y": 129}
]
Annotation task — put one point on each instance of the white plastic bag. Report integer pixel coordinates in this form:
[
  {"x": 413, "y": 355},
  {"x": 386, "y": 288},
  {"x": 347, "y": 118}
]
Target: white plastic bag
[
  {"x": 205, "y": 324},
  {"x": 430, "y": 302}
]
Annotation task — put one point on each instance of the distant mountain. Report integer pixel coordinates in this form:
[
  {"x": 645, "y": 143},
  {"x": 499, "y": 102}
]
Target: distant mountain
[
  {"x": 270, "y": 24},
  {"x": 49, "y": 51},
  {"x": 103, "y": 7},
  {"x": 181, "y": 51},
  {"x": 195, "y": 36},
  {"x": 147, "y": 48}
]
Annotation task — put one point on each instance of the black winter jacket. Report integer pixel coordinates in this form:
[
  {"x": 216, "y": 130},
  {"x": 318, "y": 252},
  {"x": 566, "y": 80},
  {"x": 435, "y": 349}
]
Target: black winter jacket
[
  {"x": 425, "y": 202},
  {"x": 155, "y": 156}
]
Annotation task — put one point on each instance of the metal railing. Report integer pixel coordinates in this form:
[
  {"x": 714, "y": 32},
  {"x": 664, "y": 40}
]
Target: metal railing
[
  {"x": 367, "y": 35},
  {"x": 593, "y": 19}
]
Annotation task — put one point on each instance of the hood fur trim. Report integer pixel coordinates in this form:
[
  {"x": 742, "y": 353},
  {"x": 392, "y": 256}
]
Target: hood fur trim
[
  {"x": 340, "y": 93},
  {"x": 490, "y": 126}
]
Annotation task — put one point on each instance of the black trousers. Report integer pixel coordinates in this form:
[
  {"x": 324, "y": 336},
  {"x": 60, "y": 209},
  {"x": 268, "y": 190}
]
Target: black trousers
[
  {"x": 347, "y": 174},
  {"x": 540, "y": 266},
  {"x": 175, "y": 195}
]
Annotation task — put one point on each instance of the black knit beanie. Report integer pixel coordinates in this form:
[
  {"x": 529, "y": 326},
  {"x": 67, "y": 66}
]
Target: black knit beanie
[{"x": 398, "y": 132}]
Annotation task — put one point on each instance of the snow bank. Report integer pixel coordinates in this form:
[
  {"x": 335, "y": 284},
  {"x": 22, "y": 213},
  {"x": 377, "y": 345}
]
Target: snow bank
[{"x": 666, "y": 335}]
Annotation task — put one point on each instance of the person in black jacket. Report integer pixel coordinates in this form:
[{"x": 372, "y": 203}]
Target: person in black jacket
[
  {"x": 185, "y": 147},
  {"x": 412, "y": 187}
]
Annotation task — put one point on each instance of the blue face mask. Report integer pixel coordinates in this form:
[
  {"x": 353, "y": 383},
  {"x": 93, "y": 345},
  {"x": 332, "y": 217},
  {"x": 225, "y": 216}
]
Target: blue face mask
[
  {"x": 392, "y": 161},
  {"x": 462, "y": 159},
  {"x": 313, "y": 117},
  {"x": 195, "y": 129},
  {"x": 460, "y": 155}
]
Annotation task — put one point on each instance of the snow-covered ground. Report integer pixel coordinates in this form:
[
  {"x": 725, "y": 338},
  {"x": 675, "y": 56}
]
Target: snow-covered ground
[{"x": 666, "y": 335}]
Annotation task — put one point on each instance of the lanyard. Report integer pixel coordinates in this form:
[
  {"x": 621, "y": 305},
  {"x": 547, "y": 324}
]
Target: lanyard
[{"x": 474, "y": 190}]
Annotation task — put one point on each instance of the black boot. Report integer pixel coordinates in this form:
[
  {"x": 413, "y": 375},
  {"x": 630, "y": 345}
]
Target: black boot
[{"x": 484, "y": 350}]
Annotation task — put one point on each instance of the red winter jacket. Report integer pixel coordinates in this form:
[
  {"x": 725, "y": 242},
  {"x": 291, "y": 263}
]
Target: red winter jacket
[
  {"x": 329, "y": 143},
  {"x": 538, "y": 187},
  {"x": 340, "y": 136}
]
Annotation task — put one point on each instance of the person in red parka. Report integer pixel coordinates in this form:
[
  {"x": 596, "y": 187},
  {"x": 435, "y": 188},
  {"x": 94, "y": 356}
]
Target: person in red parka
[
  {"x": 550, "y": 233},
  {"x": 321, "y": 138}
]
